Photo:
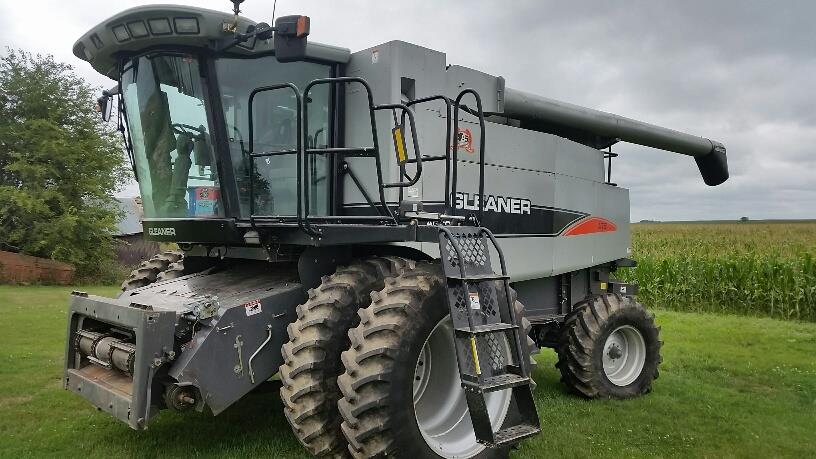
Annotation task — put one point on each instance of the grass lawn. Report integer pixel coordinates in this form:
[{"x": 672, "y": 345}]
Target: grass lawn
[{"x": 729, "y": 387}]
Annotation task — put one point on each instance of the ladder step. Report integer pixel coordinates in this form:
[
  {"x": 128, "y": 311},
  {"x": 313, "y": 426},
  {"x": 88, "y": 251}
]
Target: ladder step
[
  {"x": 505, "y": 381},
  {"x": 480, "y": 277},
  {"x": 515, "y": 434},
  {"x": 483, "y": 329}
]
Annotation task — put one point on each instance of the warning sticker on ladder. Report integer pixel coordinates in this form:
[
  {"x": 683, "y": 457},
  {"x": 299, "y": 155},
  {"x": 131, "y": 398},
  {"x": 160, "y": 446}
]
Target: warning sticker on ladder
[{"x": 474, "y": 301}]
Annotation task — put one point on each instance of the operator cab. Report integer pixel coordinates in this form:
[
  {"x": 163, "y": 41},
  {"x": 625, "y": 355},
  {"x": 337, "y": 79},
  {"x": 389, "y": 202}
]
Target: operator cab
[
  {"x": 185, "y": 76},
  {"x": 172, "y": 123}
]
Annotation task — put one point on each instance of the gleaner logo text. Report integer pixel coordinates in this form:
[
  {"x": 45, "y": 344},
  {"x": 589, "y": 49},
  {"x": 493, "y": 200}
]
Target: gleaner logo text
[
  {"x": 161, "y": 231},
  {"x": 467, "y": 201}
]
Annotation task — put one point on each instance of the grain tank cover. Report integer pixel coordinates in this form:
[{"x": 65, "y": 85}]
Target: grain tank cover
[{"x": 709, "y": 155}]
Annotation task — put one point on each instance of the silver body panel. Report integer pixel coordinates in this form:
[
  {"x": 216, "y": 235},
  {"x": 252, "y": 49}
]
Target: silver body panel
[{"x": 551, "y": 171}]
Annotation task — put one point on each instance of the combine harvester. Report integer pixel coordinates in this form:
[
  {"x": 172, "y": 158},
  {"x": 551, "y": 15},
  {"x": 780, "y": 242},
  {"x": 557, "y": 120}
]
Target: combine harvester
[{"x": 367, "y": 225}]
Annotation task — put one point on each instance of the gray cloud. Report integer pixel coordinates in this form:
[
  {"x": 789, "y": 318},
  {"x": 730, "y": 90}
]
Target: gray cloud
[{"x": 737, "y": 71}]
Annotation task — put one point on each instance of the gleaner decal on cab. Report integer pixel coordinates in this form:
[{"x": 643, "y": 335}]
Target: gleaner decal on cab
[{"x": 162, "y": 231}]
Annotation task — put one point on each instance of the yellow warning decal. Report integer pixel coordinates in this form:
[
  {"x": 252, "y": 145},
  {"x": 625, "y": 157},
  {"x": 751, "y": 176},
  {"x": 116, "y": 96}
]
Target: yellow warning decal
[
  {"x": 603, "y": 285},
  {"x": 475, "y": 355},
  {"x": 399, "y": 144}
]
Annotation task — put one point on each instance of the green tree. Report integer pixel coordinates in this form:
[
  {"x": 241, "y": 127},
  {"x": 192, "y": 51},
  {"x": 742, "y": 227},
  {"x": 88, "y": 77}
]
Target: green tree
[{"x": 59, "y": 164}]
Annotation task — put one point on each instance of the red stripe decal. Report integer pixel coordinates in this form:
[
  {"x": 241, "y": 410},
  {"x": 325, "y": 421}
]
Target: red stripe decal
[{"x": 590, "y": 225}]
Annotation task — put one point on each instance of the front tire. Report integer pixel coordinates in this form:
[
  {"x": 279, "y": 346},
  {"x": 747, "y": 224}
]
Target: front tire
[
  {"x": 162, "y": 266},
  {"x": 312, "y": 355},
  {"x": 609, "y": 348},
  {"x": 384, "y": 385}
]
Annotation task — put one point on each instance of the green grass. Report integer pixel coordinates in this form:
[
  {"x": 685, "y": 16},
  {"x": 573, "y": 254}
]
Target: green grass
[
  {"x": 729, "y": 387},
  {"x": 757, "y": 269}
]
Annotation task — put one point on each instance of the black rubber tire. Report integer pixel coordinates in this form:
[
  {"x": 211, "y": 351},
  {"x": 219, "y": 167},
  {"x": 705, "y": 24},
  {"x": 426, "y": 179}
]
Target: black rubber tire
[
  {"x": 312, "y": 355},
  {"x": 173, "y": 271},
  {"x": 581, "y": 345},
  {"x": 150, "y": 270},
  {"x": 377, "y": 404}
]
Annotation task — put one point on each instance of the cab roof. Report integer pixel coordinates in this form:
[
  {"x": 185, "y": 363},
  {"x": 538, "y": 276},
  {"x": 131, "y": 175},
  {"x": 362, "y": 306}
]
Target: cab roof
[{"x": 144, "y": 27}]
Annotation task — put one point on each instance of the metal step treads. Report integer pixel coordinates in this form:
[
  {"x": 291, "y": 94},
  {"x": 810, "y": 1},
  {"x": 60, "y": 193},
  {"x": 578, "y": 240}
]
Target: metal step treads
[
  {"x": 483, "y": 329},
  {"x": 480, "y": 277},
  {"x": 505, "y": 381},
  {"x": 515, "y": 434}
]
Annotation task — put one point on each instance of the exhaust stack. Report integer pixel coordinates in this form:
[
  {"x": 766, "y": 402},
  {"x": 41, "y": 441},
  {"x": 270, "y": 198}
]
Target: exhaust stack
[{"x": 709, "y": 155}]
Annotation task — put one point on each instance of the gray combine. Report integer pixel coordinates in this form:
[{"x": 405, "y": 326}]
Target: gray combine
[{"x": 392, "y": 236}]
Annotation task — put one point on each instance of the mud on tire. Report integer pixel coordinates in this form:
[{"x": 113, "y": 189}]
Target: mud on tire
[
  {"x": 377, "y": 404},
  {"x": 312, "y": 355},
  {"x": 154, "y": 269},
  {"x": 584, "y": 337}
]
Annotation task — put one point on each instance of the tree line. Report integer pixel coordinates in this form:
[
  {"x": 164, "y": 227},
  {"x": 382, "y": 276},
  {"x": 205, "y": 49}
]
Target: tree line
[{"x": 60, "y": 164}]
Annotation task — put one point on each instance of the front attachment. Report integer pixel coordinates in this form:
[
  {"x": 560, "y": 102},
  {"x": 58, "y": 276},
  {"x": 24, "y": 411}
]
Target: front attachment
[
  {"x": 114, "y": 349},
  {"x": 202, "y": 340},
  {"x": 482, "y": 310}
]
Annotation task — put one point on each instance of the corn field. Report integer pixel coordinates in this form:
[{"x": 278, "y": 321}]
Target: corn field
[{"x": 758, "y": 269}]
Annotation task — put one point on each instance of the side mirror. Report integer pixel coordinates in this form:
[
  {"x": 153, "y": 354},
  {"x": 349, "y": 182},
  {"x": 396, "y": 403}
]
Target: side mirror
[
  {"x": 104, "y": 105},
  {"x": 290, "y": 38}
]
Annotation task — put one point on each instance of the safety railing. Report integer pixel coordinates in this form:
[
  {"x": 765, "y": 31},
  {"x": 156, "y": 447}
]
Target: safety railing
[{"x": 303, "y": 215}]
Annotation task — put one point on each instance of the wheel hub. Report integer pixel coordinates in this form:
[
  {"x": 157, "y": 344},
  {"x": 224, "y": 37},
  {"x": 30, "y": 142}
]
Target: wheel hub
[
  {"x": 624, "y": 355},
  {"x": 615, "y": 352}
]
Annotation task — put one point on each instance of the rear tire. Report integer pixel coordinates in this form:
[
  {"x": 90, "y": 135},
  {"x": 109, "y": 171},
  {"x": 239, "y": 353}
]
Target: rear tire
[
  {"x": 379, "y": 406},
  {"x": 609, "y": 348},
  {"x": 312, "y": 355},
  {"x": 151, "y": 271}
]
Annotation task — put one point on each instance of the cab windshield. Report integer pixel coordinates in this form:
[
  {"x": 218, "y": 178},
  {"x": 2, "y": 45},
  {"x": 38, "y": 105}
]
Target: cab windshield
[{"x": 164, "y": 97}]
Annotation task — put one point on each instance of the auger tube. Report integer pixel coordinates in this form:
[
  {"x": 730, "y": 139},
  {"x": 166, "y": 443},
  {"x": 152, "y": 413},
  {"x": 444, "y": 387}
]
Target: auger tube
[{"x": 709, "y": 155}]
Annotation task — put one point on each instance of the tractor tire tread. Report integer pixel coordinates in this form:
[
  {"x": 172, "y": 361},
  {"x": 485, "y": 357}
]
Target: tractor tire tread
[
  {"x": 579, "y": 343},
  {"x": 312, "y": 355}
]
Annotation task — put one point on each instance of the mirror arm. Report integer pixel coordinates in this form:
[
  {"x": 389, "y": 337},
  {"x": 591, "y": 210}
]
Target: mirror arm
[{"x": 262, "y": 31}]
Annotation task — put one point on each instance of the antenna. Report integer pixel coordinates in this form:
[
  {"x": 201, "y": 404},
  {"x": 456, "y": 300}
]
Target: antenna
[
  {"x": 236, "y": 7},
  {"x": 274, "y": 5}
]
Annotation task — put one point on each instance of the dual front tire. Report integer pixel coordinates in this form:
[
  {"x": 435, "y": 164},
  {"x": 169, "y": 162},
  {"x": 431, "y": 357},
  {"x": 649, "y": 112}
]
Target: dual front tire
[{"x": 396, "y": 389}]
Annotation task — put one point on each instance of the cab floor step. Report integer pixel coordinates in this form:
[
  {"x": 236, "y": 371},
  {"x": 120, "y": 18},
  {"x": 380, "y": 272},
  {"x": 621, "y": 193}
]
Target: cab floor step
[
  {"x": 482, "y": 329},
  {"x": 495, "y": 383},
  {"x": 515, "y": 434}
]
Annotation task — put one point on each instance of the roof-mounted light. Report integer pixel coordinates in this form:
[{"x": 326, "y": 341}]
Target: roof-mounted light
[
  {"x": 137, "y": 29},
  {"x": 186, "y": 26},
  {"x": 159, "y": 26},
  {"x": 121, "y": 33},
  {"x": 97, "y": 41}
]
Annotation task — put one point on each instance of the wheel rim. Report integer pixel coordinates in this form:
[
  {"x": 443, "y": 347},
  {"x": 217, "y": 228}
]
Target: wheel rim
[
  {"x": 624, "y": 355},
  {"x": 440, "y": 406}
]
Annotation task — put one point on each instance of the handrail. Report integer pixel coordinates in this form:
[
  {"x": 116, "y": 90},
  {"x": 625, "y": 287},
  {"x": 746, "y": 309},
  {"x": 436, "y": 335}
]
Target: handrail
[
  {"x": 456, "y": 105},
  {"x": 297, "y": 151},
  {"x": 448, "y": 105},
  {"x": 304, "y": 149},
  {"x": 417, "y": 156},
  {"x": 375, "y": 140}
]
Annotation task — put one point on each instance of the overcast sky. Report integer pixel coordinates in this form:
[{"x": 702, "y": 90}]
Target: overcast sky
[{"x": 740, "y": 72}]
